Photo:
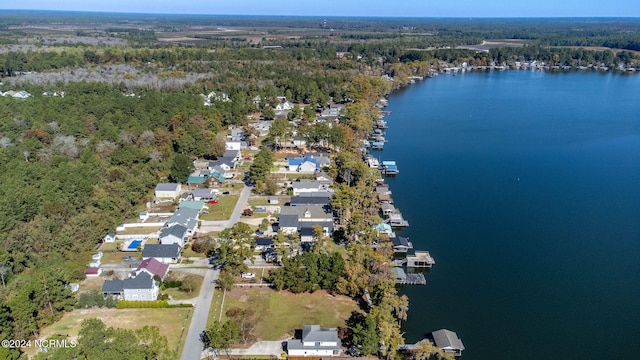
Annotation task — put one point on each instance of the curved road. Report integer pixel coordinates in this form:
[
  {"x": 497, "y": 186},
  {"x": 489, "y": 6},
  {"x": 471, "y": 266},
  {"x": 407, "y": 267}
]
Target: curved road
[{"x": 193, "y": 346}]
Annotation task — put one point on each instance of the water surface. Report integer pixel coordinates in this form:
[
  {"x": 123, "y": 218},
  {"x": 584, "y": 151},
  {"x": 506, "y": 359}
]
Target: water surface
[{"x": 525, "y": 187}]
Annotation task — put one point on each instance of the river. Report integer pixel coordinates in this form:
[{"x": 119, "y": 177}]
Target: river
[{"x": 525, "y": 188}]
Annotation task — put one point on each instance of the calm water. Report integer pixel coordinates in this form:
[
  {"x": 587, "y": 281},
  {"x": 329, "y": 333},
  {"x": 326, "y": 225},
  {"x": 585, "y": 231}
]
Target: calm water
[{"x": 544, "y": 267}]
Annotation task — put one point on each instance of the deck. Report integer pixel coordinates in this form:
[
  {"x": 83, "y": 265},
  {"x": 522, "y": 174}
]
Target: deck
[{"x": 412, "y": 279}]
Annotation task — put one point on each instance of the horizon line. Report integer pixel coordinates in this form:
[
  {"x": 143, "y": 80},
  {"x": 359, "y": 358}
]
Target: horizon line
[{"x": 324, "y": 16}]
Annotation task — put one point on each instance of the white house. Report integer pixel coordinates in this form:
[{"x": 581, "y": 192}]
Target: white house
[
  {"x": 315, "y": 342},
  {"x": 305, "y": 186},
  {"x": 232, "y": 145},
  {"x": 167, "y": 191},
  {"x": 176, "y": 234},
  {"x": 109, "y": 238}
]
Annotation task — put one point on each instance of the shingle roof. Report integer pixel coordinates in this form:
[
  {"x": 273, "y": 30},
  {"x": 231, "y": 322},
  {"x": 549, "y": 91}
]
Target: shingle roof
[
  {"x": 264, "y": 241},
  {"x": 309, "y": 200},
  {"x": 288, "y": 221},
  {"x": 306, "y": 184},
  {"x": 400, "y": 241},
  {"x": 161, "y": 251},
  {"x": 112, "y": 287},
  {"x": 140, "y": 281},
  {"x": 315, "y": 333},
  {"x": 314, "y": 212},
  {"x": 447, "y": 339},
  {"x": 178, "y": 231},
  {"x": 167, "y": 187},
  {"x": 154, "y": 266}
]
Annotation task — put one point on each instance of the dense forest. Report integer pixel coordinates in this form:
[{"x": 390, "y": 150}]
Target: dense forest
[{"x": 72, "y": 167}]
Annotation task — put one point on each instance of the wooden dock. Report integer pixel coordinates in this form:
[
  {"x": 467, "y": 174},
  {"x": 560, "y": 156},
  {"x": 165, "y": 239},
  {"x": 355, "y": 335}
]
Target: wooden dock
[
  {"x": 413, "y": 279},
  {"x": 401, "y": 277}
]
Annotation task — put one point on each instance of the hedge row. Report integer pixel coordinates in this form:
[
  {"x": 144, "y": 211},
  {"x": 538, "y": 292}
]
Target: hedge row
[{"x": 127, "y": 304}]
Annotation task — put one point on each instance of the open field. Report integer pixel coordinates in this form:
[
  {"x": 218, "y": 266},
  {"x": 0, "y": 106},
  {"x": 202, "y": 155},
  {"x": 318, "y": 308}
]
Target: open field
[
  {"x": 222, "y": 210},
  {"x": 171, "y": 322},
  {"x": 281, "y": 312}
]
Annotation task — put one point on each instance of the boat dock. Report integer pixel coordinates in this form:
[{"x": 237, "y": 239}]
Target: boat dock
[
  {"x": 401, "y": 277},
  {"x": 396, "y": 220},
  {"x": 420, "y": 259},
  {"x": 389, "y": 167}
]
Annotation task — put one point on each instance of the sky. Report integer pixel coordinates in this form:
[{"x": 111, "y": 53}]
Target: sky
[{"x": 394, "y": 8}]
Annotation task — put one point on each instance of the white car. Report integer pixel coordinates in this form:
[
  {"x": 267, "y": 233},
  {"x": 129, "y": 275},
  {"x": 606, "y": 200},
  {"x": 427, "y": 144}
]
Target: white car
[{"x": 248, "y": 275}]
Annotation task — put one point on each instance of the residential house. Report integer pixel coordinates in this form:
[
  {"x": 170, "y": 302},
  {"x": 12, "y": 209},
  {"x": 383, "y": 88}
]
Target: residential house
[
  {"x": 303, "y": 165},
  {"x": 167, "y": 191},
  {"x": 176, "y": 234},
  {"x": 448, "y": 341},
  {"x": 141, "y": 287},
  {"x": 232, "y": 145},
  {"x": 153, "y": 267},
  {"x": 328, "y": 193},
  {"x": 323, "y": 178},
  {"x": 304, "y": 218},
  {"x": 185, "y": 216},
  {"x": 93, "y": 272},
  {"x": 166, "y": 254},
  {"x": 315, "y": 341},
  {"x": 234, "y": 155},
  {"x": 305, "y": 186},
  {"x": 309, "y": 201},
  {"x": 401, "y": 244},
  {"x": 237, "y": 135},
  {"x": 204, "y": 194},
  {"x": 263, "y": 243},
  {"x": 109, "y": 238}
]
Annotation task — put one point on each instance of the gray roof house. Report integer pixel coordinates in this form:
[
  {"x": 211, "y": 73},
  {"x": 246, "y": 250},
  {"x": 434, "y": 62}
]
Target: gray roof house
[
  {"x": 185, "y": 216},
  {"x": 315, "y": 342},
  {"x": 141, "y": 287},
  {"x": 175, "y": 234},
  {"x": 448, "y": 341},
  {"x": 166, "y": 254},
  {"x": 304, "y": 218}
]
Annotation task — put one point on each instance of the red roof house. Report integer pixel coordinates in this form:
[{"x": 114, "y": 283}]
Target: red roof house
[{"x": 153, "y": 267}]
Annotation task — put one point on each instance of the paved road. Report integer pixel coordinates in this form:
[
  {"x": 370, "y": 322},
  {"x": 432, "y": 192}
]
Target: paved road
[
  {"x": 192, "y": 346},
  {"x": 240, "y": 205}
]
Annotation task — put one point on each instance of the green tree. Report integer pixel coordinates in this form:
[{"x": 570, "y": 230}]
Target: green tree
[{"x": 181, "y": 168}]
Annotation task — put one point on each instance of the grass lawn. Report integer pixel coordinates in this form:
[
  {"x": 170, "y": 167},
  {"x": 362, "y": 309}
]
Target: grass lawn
[
  {"x": 177, "y": 294},
  {"x": 281, "y": 312},
  {"x": 142, "y": 230},
  {"x": 173, "y": 323},
  {"x": 214, "y": 310},
  {"x": 110, "y": 254},
  {"x": 188, "y": 252},
  {"x": 222, "y": 210}
]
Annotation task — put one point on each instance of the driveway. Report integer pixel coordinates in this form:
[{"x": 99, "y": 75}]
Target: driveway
[
  {"x": 193, "y": 346},
  {"x": 240, "y": 205},
  {"x": 260, "y": 348}
]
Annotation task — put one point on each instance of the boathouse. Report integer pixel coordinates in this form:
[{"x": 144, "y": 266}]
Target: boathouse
[
  {"x": 420, "y": 259},
  {"x": 448, "y": 341}
]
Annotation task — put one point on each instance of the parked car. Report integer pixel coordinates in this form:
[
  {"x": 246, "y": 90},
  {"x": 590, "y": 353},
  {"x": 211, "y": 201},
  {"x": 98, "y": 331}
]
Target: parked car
[
  {"x": 248, "y": 158},
  {"x": 248, "y": 275},
  {"x": 212, "y": 202},
  {"x": 225, "y": 193},
  {"x": 127, "y": 258}
]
